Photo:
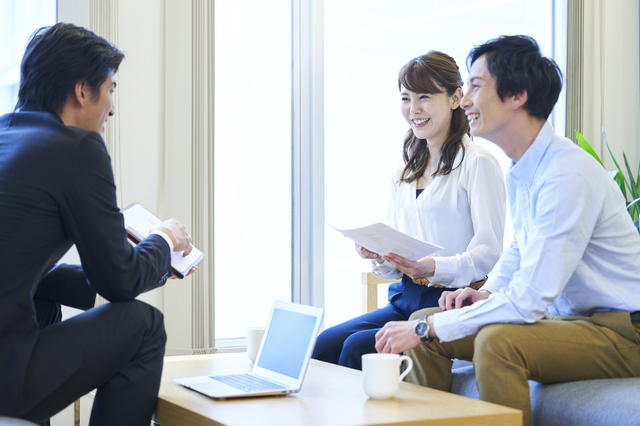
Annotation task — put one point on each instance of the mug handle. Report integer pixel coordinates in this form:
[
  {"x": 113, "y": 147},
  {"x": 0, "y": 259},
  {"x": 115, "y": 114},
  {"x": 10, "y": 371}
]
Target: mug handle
[{"x": 409, "y": 366}]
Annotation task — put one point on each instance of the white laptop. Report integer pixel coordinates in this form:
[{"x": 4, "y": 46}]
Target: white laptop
[{"x": 283, "y": 357}]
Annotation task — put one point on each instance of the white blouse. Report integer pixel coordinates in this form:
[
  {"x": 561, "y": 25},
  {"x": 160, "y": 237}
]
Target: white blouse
[{"x": 463, "y": 212}]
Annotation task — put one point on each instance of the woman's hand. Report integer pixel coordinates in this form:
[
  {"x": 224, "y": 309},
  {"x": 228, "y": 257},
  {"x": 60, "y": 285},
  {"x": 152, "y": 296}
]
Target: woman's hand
[
  {"x": 461, "y": 297},
  {"x": 422, "y": 268},
  {"x": 366, "y": 254}
]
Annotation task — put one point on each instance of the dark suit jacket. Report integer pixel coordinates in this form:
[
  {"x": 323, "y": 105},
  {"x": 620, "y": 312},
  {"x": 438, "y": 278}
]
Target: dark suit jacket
[{"x": 57, "y": 189}]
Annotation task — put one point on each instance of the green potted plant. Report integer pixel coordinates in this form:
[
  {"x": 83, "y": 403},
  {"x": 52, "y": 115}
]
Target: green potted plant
[{"x": 632, "y": 184}]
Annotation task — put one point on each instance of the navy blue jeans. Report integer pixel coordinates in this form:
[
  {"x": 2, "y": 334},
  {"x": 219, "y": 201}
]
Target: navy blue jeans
[{"x": 345, "y": 343}]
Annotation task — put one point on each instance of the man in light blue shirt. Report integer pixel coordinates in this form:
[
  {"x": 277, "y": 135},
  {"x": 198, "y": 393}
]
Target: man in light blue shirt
[{"x": 563, "y": 302}]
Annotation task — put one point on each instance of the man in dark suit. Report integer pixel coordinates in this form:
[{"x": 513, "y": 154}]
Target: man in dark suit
[{"x": 57, "y": 189}]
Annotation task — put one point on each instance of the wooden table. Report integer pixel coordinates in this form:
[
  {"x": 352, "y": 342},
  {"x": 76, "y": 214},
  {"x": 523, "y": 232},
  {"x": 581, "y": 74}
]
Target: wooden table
[{"x": 330, "y": 395}]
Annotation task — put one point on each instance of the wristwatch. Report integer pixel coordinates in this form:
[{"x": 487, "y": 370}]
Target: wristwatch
[{"x": 422, "y": 330}]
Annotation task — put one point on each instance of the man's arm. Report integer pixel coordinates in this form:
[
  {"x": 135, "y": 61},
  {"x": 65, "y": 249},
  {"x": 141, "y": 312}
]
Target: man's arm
[
  {"x": 113, "y": 268},
  {"x": 399, "y": 336},
  {"x": 502, "y": 273},
  {"x": 558, "y": 236}
]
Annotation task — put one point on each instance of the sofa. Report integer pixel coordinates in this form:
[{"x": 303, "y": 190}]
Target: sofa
[
  {"x": 10, "y": 421},
  {"x": 614, "y": 402}
]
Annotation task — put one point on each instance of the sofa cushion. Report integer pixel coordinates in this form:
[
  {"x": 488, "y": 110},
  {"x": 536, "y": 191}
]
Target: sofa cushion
[{"x": 588, "y": 402}]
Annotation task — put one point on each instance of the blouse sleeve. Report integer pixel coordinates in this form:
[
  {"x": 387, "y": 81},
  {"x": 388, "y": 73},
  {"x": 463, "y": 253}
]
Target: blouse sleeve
[
  {"x": 486, "y": 195},
  {"x": 385, "y": 270}
]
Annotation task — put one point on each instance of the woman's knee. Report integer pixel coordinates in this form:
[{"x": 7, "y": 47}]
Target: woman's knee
[
  {"x": 360, "y": 343},
  {"x": 356, "y": 345},
  {"x": 329, "y": 345}
]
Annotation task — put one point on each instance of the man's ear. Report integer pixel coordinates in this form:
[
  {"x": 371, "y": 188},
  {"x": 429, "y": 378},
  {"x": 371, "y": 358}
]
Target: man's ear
[
  {"x": 519, "y": 100},
  {"x": 81, "y": 93}
]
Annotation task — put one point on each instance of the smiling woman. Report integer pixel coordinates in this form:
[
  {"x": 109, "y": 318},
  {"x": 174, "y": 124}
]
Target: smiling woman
[
  {"x": 365, "y": 44},
  {"x": 448, "y": 192}
]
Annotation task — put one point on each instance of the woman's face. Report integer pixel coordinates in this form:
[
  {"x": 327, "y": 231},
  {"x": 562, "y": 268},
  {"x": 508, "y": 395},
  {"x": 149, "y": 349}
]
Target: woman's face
[{"x": 429, "y": 115}]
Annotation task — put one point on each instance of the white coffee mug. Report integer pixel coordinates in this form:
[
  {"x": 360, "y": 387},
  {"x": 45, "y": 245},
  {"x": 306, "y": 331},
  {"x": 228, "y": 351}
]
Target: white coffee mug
[
  {"x": 254, "y": 338},
  {"x": 382, "y": 374}
]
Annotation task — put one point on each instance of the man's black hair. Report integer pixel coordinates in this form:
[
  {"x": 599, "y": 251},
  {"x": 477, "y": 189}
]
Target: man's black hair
[
  {"x": 517, "y": 65},
  {"x": 59, "y": 57}
]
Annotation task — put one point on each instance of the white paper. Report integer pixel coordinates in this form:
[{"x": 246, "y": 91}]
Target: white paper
[
  {"x": 383, "y": 239},
  {"x": 142, "y": 221}
]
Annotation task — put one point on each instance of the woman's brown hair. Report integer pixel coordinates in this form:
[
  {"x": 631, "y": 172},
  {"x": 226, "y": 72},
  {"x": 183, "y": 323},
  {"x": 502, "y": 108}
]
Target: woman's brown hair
[{"x": 435, "y": 72}]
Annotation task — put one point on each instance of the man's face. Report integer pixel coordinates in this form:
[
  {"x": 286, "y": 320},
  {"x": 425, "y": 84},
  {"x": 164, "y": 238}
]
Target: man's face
[
  {"x": 487, "y": 114},
  {"x": 99, "y": 110}
]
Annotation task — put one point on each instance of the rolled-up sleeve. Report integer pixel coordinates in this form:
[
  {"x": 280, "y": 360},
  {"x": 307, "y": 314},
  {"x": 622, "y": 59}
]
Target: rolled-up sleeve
[{"x": 532, "y": 275}]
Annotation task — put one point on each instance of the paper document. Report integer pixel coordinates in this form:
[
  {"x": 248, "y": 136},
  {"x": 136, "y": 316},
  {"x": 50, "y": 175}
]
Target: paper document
[
  {"x": 139, "y": 222},
  {"x": 383, "y": 239}
]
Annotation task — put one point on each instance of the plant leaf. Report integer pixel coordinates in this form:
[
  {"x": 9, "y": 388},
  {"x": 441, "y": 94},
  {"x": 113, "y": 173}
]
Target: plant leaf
[
  {"x": 634, "y": 188},
  {"x": 617, "y": 176},
  {"x": 614, "y": 159},
  {"x": 635, "y": 202},
  {"x": 585, "y": 145}
]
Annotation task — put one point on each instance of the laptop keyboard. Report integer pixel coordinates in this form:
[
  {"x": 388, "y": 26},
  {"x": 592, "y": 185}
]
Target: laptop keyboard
[{"x": 247, "y": 382}]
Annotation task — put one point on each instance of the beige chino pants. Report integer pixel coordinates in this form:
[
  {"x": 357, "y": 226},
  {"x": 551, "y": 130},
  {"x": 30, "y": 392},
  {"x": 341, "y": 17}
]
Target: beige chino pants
[{"x": 554, "y": 350}]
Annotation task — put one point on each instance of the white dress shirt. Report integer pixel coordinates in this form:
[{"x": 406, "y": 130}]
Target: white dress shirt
[
  {"x": 463, "y": 212},
  {"x": 575, "y": 249}
]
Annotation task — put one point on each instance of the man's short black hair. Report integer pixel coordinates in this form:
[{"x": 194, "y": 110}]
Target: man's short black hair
[
  {"x": 517, "y": 65},
  {"x": 59, "y": 57}
]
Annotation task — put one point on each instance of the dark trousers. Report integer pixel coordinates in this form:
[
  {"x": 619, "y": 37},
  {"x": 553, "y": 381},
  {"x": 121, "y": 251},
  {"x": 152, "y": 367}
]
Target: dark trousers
[
  {"x": 344, "y": 344},
  {"x": 116, "y": 348}
]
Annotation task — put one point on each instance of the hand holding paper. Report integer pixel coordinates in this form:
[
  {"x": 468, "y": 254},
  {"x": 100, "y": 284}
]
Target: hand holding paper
[
  {"x": 383, "y": 239},
  {"x": 367, "y": 254}
]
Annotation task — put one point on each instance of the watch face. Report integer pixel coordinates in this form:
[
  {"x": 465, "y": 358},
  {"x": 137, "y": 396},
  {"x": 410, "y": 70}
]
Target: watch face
[{"x": 421, "y": 329}]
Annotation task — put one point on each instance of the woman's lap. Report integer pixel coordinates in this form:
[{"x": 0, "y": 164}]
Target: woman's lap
[
  {"x": 345, "y": 343},
  {"x": 355, "y": 336}
]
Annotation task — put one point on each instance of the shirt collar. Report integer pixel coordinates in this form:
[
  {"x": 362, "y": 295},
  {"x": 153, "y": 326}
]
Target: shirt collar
[{"x": 523, "y": 170}]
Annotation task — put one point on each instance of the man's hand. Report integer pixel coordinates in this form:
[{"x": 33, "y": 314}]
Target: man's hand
[
  {"x": 422, "y": 268},
  {"x": 366, "y": 254},
  {"x": 396, "y": 337},
  {"x": 461, "y": 297},
  {"x": 178, "y": 234},
  {"x": 191, "y": 271}
]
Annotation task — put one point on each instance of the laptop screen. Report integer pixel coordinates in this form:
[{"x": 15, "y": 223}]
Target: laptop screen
[{"x": 286, "y": 342}]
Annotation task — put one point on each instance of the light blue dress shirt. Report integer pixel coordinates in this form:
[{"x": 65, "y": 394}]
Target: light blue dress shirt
[{"x": 575, "y": 249}]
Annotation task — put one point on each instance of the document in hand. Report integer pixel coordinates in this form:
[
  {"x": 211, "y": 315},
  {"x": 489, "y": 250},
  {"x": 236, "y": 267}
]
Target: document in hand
[
  {"x": 139, "y": 222},
  {"x": 383, "y": 239}
]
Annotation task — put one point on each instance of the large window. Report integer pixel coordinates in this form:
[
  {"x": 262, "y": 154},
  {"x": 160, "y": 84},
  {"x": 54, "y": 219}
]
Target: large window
[
  {"x": 18, "y": 20},
  {"x": 366, "y": 43},
  {"x": 252, "y": 151}
]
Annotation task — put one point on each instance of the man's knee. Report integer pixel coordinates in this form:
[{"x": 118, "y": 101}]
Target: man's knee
[
  {"x": 495, "y": 340},
  {"x": 143, "y": 316}
]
